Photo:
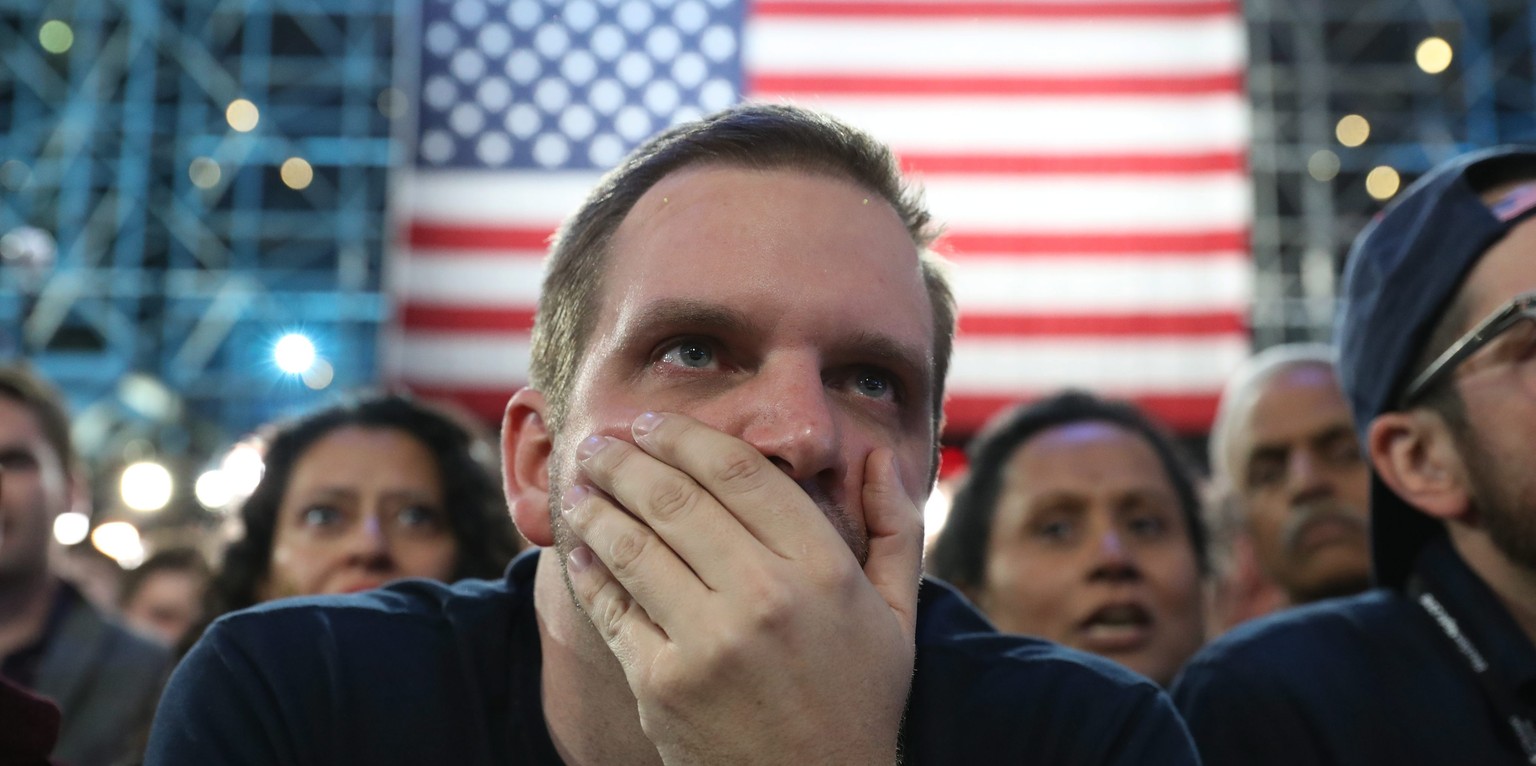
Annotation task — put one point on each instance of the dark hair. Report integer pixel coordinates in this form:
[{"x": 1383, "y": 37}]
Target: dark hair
[
  {"x": 21, "y": 384},
  {"x": 477, "y": 511},
  {"x": 959, "y": 555},
  {"x": 756, "y": 136},
  {"x": 187, "y": 560}
]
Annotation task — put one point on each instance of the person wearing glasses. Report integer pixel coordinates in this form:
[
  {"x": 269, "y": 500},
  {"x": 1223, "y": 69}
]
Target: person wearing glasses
[{"x": 1437, "y": 354}]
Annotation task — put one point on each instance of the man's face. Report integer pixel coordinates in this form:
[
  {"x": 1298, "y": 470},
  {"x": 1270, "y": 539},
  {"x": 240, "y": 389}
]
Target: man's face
[
  {"x": 1305, "y": 486},
  {"x": 1497, "y": 386},
  {"x": 34, "y": 489},
  {"x": 1089, "y": 548},
  {"x": 783, "y": 308}
]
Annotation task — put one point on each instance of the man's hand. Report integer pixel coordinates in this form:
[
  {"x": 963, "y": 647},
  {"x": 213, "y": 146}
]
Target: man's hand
[{"x": 744, "y": 624}]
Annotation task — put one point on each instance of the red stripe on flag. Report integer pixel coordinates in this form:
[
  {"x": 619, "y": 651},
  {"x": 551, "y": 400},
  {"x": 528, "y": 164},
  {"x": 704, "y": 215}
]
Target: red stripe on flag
[
  {"x": 435, "y": 234},
  {"x": 1186, "y": 413},
  {"x": 770, "y": 84},
  {"x": 440, "y": 318},
  {"x": 1099, "y": 325},
  {"x": 1097, "y": 10},
  {"x": 1081, "y": 243},
  {"x": 1101, "y": 164}
]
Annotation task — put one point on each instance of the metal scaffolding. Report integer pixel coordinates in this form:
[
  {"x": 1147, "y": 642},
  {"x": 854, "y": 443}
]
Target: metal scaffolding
[
  {"x": 187, "y": 239},
  {"x": 1314, "y": 62}
]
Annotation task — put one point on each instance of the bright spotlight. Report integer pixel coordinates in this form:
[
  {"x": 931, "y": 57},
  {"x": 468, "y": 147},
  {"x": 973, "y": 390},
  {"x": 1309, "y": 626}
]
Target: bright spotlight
[
  {"x": 119, "y": 540},
  {"x": 71, "y": 527},
  {"x": 146, "y": 486},
  {"x": 294, "y": 353},
  {"x": 213, "y": 489}
]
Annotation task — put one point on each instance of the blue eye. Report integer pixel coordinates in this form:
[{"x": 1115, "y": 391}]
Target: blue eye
[
  {"x": 693, "y": 354},
  {"x": 319, "y": 516},
  {"x": 874, "y": 385}
]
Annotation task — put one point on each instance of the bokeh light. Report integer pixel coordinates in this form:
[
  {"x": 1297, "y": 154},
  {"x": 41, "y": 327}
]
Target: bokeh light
[
  {"x": 1352, "y": 130},
  {"x": 1323, "y": 165},
  {"x": 55, "y": 36},
  {"x": 297, "y": 173},
  {"x": 146, "y": 486},
  {"x": 1382, "y": 182},
  {"x": 242, "y": 115},
  {"x": 1433, "y": 55},
  {"x": 213, "y": 490},
  {"x": 71, "y": 527},
  {"x": 320, "y": 375},
  {"x": 204, "y": 172},
  {"x": 121, "y": 542},
  {"x": 243, "y": 467}
]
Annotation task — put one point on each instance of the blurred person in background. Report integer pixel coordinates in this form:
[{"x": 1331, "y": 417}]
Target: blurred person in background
[
  {"x": 163, "y": 597},
  {"x": 362, "y": 493},
  {"x": 1437, "y": 355},
  {"x": 105, "y": 678},
  {"x": 1283, "y": 449},
  {"x": 1080, "y": 523}
]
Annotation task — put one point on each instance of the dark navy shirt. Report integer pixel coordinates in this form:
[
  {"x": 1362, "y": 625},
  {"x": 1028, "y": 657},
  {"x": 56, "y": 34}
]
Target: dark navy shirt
[
  {"x": 1370, "y": 679},
  {"x": 421, "y": 672}
]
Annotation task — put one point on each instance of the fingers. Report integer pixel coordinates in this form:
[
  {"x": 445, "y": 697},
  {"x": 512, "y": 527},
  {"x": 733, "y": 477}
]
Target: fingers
[
  {"x": 669, "y": 502},
  {"x": 637, "y": 585},
  {"x": 759, "y": 496},
  {"x": 895, "y": 537}
]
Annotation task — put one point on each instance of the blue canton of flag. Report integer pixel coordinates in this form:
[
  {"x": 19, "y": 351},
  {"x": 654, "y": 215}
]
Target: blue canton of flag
[{"x": 568, "y": 85}]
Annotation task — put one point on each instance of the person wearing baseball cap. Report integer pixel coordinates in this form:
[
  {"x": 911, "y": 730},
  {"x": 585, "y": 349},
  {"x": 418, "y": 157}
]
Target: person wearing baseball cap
[{"x": 1437, "y": 354}]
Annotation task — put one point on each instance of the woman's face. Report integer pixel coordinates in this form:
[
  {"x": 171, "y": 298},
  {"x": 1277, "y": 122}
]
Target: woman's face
[{"x": 364, "y": 505}]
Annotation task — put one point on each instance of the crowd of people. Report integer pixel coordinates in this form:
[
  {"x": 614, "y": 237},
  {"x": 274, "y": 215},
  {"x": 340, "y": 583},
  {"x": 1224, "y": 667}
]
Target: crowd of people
[{"x": 721, "y": 458}]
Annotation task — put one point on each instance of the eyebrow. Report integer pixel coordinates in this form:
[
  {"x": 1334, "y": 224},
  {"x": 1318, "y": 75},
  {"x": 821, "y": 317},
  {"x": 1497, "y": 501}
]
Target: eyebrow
[{"x": 685, "y": 312}]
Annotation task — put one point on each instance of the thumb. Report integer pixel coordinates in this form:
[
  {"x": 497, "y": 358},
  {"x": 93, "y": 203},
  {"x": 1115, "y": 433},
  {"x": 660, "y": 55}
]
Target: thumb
[{"x": 895, "y": 529}]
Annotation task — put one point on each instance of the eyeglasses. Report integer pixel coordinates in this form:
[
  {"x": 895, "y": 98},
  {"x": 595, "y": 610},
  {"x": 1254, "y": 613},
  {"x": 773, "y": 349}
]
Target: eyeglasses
[{"x": 1521, "y": 308}]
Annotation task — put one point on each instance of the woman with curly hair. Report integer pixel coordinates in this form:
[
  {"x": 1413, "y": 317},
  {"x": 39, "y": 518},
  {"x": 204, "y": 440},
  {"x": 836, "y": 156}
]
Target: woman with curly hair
[{"x": 362, "y": 493}]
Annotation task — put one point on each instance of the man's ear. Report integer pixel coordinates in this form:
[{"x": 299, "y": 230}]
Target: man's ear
[
  {"x": 1415, "y": 455},
  {"x": 525, "y": 448}
]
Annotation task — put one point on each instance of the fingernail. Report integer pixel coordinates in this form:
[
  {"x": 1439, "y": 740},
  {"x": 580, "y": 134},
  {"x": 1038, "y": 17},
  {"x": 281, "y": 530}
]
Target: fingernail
[
  {"x": 646, "y": 423},
  {"x": 572, "y": 496},
  {"x": 580, "y": 558},
  {"x": 590, "y": 446}
]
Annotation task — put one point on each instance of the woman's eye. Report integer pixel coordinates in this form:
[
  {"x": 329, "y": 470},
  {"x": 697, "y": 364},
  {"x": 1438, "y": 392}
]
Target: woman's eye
[
  {"x": 1054, "y": 530},
  {"x": 418, "y": 516},
  {"x": 694, "y": 354},
  {"x": 319, "y": 516},
  {"x": 1147, "y": 526}
]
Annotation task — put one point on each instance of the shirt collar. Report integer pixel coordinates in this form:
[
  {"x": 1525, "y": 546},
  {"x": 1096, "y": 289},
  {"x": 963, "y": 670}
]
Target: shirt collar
[{"x": 1479, "y": 613}]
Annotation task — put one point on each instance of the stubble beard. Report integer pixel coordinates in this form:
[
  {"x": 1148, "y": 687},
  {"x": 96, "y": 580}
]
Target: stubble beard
[{"x": 1508, "y": 514}]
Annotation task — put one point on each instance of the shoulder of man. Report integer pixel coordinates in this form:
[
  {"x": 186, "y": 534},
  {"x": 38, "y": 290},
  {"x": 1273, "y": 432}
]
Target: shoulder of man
[
  {"x": 983, "y": 696},
  {"x": 330, "y": 679},
  {"x": 1292, "y": 687},
  {"x": 105, "y": 678}
]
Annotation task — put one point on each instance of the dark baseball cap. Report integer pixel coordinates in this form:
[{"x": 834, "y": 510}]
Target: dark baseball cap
[{"x": 1400, "y": 276}]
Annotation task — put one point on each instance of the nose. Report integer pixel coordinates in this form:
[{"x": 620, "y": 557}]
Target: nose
[
  {"x": 1305, "y": 478},
  {"x": 368, "y": 545},
  {"x": 1113, "y": 560},
  {"x": 788, "y": 415}
]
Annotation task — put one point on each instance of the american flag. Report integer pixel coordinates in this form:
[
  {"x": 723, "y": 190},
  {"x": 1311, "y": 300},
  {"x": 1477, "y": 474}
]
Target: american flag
[{"x": 1086, "y": 156}]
